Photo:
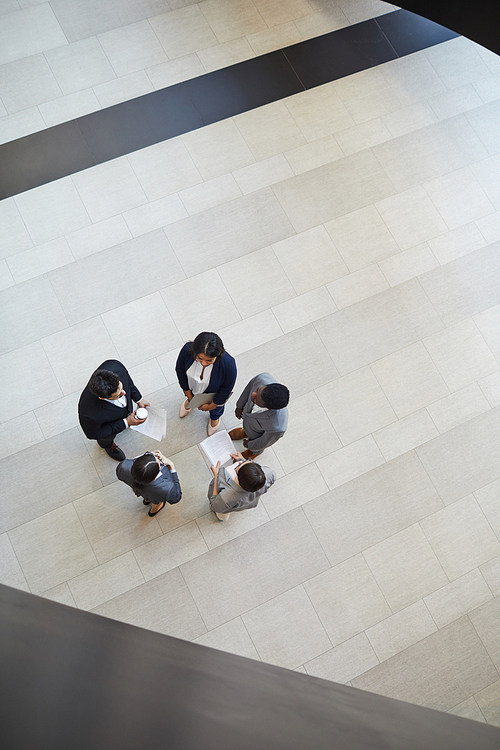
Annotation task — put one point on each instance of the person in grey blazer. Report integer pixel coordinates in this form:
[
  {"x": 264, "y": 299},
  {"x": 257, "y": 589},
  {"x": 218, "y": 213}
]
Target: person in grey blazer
[
  {"x": 239, "y": 490},
  {"x": 262, "y": 406},
  {"x": 153, "y": 477}
]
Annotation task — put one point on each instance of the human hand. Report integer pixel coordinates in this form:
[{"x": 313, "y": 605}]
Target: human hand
[
  {"x": 143, "y": 403},
  {"x": 237, "y": 456},
  {"x": 205, "y": 407},
  {"x": 238, "y": 413},
  {"x": 132, "y": 419},
  {"x": 215, "y": 469},
  {"x": 166, "y": 461}
]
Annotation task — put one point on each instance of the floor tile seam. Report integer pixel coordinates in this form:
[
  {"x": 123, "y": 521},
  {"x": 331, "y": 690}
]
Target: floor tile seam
[
  {"x": 483, "y": 235},
  {"x": 376, "y": 19},
  {"x": 330, "y": 489},
  {"x": 84, "y": 531},
  {"x": 200, "y": 5},
  {"x": 424, "y": 408},
  {"x": 406, "y": 648},
  {"x": 285, "y": 274},
  {"x": 49, "y": 362},
  {"x": 227, "y": 287},
  {"x": 262, "y": 603},
  {"x": 491, "y": 656},
  {"x": 481, "y": 335},
  {"x": 239, "y": 536},
  {"x": 465, "y": 168},
  {"x": 242, "y": 616},
  {"x": 123, "y": 593},
  {"x": 473, "y": 697},
  {"x": 16, "y": 556},
  {"x": 193, "y": 598},
  {"x": 95, "y": 568},
  {"x": 325, "y": 631},
  {"x": 239, "y": 617},
  {"x": 486, "y": 520}
]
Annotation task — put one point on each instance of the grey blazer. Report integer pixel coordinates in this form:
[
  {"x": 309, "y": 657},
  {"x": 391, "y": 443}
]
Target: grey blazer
[
  {"x": 167, "y": 487},
  {"x": 264, "y": 427},
  {"x": 232, "y": 497}
]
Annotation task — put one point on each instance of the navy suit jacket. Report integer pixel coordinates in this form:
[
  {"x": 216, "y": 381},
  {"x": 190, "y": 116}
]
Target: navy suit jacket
[
  {"x": 100, "y": 419},
  {"x": 222, "y": 378}
]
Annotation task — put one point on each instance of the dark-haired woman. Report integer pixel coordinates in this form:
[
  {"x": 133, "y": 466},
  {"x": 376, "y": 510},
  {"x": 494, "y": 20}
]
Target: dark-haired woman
[
  {"x": 228, "y": 493},
  {"x": 153, "y": 477},
  {"x": 203, "y": 366}
]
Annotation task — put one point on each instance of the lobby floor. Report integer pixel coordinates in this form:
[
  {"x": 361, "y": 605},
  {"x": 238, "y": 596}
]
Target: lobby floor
[{"x": 346, "y": 240}]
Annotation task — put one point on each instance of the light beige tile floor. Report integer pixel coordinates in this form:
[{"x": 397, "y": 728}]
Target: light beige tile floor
[{"x": 367, "y": 282}]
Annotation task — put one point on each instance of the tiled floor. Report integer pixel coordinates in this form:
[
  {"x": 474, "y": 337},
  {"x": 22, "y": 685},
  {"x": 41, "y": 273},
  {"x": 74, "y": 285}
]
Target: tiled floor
[{"x": 345, "y": 239}]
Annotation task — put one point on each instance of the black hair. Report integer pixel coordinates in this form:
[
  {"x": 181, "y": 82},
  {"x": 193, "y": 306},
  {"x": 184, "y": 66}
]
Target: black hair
[
  {"x": 208, "y": 343},
  {"x": 144, "y": 470},
  {"x": 275, "y": 396},
  {"x": 251, "y": 477},
  {"x": 104, "y": 383}
]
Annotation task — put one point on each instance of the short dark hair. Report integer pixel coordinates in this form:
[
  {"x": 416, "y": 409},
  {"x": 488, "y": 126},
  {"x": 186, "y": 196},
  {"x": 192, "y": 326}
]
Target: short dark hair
[
  {"x": 103, "y": 383},
  {"x": 208, "y": 343},
  {"x": 275, "y": 396},
  {"x": 251, "y": 477},
  {"x": 144, "y": 470}
]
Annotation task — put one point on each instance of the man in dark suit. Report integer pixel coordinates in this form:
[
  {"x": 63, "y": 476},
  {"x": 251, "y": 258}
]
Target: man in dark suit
[{"x": 105, "y": 407}]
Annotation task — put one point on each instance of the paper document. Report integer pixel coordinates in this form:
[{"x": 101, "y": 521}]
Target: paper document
[
  {"x": 218, "y": 447},
  {"x": 231, "y": 470},
  {"x": 155, "y": 425},
  {"x": 201, "y": 398}
]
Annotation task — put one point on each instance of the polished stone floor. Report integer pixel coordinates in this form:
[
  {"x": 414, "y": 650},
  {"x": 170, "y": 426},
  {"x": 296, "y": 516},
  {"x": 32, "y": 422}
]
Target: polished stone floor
[{"x": 345, "y": 239}]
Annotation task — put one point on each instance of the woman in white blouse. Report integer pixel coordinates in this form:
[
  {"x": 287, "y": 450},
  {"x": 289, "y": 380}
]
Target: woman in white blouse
[{"x": 203, "y": 366}]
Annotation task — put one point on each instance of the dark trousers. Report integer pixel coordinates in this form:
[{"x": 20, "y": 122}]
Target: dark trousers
[
  {"x": 216, "y": 413},
  {"x": 107, "y": 442}
]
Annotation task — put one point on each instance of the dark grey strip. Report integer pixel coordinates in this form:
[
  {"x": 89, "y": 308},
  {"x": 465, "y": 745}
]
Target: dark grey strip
[{"x": 96, "y": 138}]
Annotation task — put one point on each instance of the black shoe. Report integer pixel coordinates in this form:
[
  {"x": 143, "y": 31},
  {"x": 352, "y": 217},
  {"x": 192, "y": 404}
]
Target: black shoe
[
  {"x": 155, "y": 514},
  {"x": 115, "y": 452},
  {"x": 146, "y": 502}
]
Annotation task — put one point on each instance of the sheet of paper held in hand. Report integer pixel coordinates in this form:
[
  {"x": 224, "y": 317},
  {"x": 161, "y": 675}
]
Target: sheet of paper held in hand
[
  {"x": 218, "y": 447},
  {"x": 201, "y": 398},
  {"x": 155, "y": 425}
]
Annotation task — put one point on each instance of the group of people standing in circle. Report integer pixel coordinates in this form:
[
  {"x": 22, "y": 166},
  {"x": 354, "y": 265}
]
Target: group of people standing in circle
[{"x": 203, "y": 366}]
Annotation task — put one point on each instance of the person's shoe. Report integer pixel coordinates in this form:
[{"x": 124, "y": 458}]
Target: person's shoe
[
  {"x": 237, "y": 434},
  {"x": 155, "y": 514},
  {"x": 248, "y": 455},
  {"x": 146, "y": 502},
  {"x": 115, "y": 452},
  {"x": 210, "y": 429},
  {"x": 183, "y": 412}
]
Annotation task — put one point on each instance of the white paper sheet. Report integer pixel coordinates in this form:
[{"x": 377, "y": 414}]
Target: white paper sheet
[
  {"x": 218, "y": 447},
  {"x": 231, "y": 470},
  {"x": 155, "y": 425}
]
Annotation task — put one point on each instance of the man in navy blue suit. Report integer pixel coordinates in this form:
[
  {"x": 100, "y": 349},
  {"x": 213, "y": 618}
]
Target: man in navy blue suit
[{"x": 105, "y": 407}]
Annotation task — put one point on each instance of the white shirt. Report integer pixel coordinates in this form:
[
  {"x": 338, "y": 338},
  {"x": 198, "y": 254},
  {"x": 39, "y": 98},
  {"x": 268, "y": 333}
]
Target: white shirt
[
  {"x": 256, "y": 409},
  {"x": 196, "y": 384},
  {"x": 121, "y": 402}
]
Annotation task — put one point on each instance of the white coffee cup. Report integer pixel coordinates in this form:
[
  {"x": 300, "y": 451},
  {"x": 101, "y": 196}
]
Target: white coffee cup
[{"x": 141, "y": 413}]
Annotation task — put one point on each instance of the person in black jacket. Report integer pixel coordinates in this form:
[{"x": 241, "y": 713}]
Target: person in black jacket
[
  {"x": 105, "y": 407},
  {"x": 152, "y": 477}
]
